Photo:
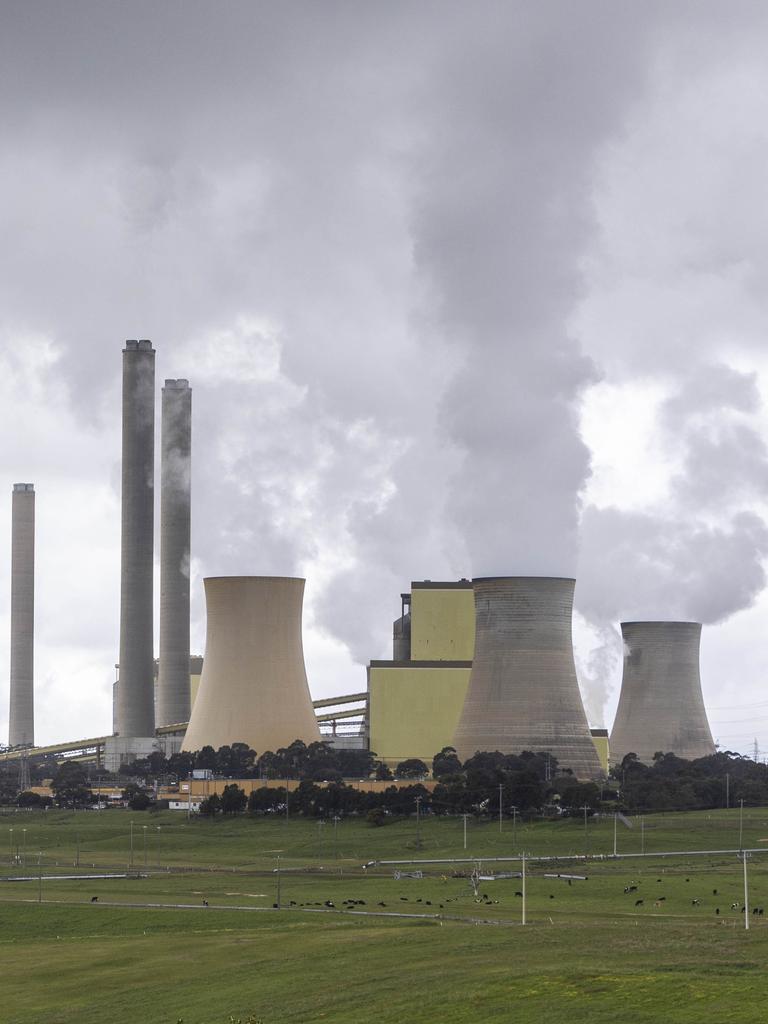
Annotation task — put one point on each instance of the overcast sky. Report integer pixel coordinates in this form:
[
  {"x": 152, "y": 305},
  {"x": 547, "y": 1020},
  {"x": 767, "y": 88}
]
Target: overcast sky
[{"x": 461, "y": 289}]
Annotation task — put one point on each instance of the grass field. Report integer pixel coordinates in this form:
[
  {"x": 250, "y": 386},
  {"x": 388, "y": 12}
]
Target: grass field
[{"x": 148, "y": 950}]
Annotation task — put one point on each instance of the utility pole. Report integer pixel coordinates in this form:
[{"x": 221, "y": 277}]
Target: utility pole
[
  {"x": 514, "y": 825},
  {"x": 320, "y": 826},
  {"x": 501, "y": 797},
  {"x": 335, "y": 837},
  {"x": 40, "y": 877},
  {"x": 727, "y": 790},
  {"x": 278, "y": 881},
  {"x": 465, "y": 816},
  {"x": 418, "y": 822},
  {"x": 746, "y": 894},
  {"x": 523, "y": 881},
  {"x": 642, "y": 834},
  {"x": 615, "y": 820},
  {"x": 130, "y": 857},
  {"x": 77, "y": 853},
  {"x": 585, "y": 808},
  {"x": 741, "y": 824},
  {"x": 144, "y": 827}
]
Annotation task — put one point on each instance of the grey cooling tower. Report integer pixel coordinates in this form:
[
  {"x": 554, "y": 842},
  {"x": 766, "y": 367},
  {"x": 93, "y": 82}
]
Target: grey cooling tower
[
  {"x": 135, "y": 698},
  {"x": 22, "y": 711},
  {"x": 523, "y": 693},
  {"x": 254, "y": 687},
  {"x": 173, "y": 703},
  {"x": 661, "y": 707}
]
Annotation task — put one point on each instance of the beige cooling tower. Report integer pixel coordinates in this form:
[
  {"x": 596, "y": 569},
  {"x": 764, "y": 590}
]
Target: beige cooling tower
[{"x": 254, "y": 686}]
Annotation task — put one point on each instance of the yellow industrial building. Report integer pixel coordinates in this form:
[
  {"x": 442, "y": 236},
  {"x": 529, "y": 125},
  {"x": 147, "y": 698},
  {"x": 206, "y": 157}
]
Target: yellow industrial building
[{"x": 415, "y": 700}]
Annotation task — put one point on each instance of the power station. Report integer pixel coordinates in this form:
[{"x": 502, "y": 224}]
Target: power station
[{"x": 480, "y": 665}]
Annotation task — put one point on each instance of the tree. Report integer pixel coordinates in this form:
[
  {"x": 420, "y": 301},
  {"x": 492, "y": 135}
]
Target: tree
[
  {"x": 446, "y": 763},
  {"x": 206, "y": 758},
  {"x": 30, "y": 799},
  {"x": 70, "y": 785},
  {"x": 137, "y": 798},
  {"x": 412, "y": 768},
  {"x": 210, "y": 805},
  {"x": 233, "y": 800},
  {"x": 383, "y": 772}
]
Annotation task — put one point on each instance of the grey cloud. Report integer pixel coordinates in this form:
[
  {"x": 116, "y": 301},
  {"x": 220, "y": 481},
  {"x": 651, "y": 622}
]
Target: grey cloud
[{"x": 404, "y": 199}]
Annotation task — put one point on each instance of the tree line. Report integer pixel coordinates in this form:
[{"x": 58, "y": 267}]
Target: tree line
[{"x": 528, "y": 784}]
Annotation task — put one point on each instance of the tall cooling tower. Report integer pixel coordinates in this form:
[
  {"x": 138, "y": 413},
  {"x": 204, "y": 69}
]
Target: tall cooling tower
[
  {"x": 523, "y": 693},
  {"x": 22, "y": 712},
  {"x": 175, "y": 465},
  {"x": 254, "y": 686},
  {"x": 135, "y": 697},
  {"x": 661, "y": 707}
]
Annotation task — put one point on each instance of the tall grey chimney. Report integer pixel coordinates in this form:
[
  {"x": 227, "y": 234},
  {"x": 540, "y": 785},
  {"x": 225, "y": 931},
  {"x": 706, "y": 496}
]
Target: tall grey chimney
[
  {"x": 22, "y": 712},
  {"x": 173, "y": 702},
  {"x": 135, "y": 697}
]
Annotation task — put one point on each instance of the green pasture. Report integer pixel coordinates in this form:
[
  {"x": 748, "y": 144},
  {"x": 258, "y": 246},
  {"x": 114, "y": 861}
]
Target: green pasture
[
  {"x": 170, "y": 839},
  {"x": 409, "y": 949}
]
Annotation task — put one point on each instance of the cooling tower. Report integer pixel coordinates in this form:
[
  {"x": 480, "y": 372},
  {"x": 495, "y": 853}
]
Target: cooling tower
[
  {"x": 254, "y": 687},
  {"x": 176, "y": 435},
  {"x": 135, "y": 699},
  {"x": 661, "y": 707},
  {"x": 522, "y": 692},
  {"x": 22, "y": 711}
]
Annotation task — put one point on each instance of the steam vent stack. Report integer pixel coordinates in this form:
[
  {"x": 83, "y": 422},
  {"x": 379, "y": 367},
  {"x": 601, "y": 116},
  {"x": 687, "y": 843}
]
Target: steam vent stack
[
  {"x": 523, "y": 693},
  {"x": 135, "y": 698},
  {"x": 254, "y": 686},
  {"x": 661, "y": 707},
  {"x": 22, "y": 711},
  {"x": 173, "y": 704}
]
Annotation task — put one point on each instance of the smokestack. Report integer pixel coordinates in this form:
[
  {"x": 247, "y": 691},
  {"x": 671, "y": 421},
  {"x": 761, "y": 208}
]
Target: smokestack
[
  {"x": 523, "y": 693},
  {"x": 254, "y": 686},
  {"x": 22, "y": 711},
  {"x": 135, "y": 697},
  {"x": 173, "y": 701},
  {"x": 661, "y": 707}
]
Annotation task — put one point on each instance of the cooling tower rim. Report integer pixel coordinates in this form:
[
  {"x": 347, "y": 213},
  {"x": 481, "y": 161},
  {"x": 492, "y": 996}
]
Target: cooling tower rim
[
  {"x": 660, "y": 622},
  {"x": 498, "y": 579},
  {"x": 294, "y": 579}
]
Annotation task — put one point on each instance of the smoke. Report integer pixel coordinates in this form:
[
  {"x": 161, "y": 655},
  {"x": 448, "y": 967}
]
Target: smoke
[{"x": 501, "y": 217}]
